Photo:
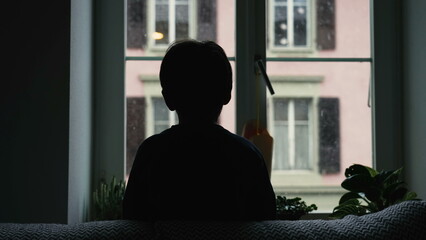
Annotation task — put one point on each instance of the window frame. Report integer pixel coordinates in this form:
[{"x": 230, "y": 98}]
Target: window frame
[{"x": 109, "y": 114}]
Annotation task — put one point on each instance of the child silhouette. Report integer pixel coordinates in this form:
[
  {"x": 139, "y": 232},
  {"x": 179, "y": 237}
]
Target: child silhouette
[{"x": 197, "y": 170}]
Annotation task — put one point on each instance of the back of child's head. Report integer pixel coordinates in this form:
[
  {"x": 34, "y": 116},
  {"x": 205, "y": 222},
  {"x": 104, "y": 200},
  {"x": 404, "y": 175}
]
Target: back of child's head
[{"x": 196, "y": 78}]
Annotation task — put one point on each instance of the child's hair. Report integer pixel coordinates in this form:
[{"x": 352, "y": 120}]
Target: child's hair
[{"x": 196, "y": 77}]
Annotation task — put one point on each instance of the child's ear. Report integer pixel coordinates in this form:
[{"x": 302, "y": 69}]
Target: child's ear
[
  {"x": 169, "y": 99},
  {"x": 226, "y": 99}
]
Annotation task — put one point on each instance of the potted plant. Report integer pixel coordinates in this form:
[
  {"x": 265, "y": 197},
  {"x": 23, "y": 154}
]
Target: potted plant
[
  {"x": 292, "y": 208},
  {"x": 107, "y": 200},
  {"x": 370, "y": 191}
]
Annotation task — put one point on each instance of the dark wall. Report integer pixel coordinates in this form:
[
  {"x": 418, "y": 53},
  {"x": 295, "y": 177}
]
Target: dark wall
[{"x": 34, "y": 120}]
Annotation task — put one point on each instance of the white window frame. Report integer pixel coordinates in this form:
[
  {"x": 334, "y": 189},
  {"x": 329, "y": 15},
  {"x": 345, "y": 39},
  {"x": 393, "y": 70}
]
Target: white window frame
[
  {"x": 152, "y": 46},
  {"x": 310, "y": 33}
]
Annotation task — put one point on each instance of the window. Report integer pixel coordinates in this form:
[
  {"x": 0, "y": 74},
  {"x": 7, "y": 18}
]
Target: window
[
  {"x": 290, "y": 22},
  {"x": 170, "y": 20},
  {"x": 163, "y": 117},
  {"x": 293, "y": 134},
  {"x": 319, "y": 117},
  {"x": 154, "y": 24}
]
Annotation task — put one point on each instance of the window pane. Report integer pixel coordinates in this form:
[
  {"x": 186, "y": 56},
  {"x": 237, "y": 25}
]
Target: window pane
[
  {"x": 281, "y": 26},
  {"x": 318, "y": 28},
  {"x": 301, "y": 109},
  {"x": 161, "y": 112},
  {"x": 202, "y": 20},
  {"x": 300, "y": 26},
  {"x": 281, "y": 160},
  {"x": 161, "y": 22},
  {"x": 303, "y": 160},
  {"x": 281, "y": 109},
  {"x": 182, "y": 21},
  {"x": 328, "y": 127}
]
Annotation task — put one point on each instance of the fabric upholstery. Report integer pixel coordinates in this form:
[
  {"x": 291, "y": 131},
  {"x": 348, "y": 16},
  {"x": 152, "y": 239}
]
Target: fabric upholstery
[{"x": 406, "y": 220}]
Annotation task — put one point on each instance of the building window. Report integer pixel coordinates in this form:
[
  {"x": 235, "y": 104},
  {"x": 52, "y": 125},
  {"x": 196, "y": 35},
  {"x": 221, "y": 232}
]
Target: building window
[
  {"x": 290, "y": 24},
  {"x": 171, "y": 20},
  {"x": 157, "y": 23},
  {"x": 293, "y": 134},
  {"x": 163, "y": 117}
]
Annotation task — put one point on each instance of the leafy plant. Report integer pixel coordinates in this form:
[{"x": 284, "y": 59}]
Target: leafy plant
[
  {"x": 108, "y": 200},
  {"x": 370, "y": 191},
  {"x": 292, "y": 208}
]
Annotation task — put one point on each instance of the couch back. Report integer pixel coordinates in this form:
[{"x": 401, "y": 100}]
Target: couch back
[{"x": 406, "y": 220}]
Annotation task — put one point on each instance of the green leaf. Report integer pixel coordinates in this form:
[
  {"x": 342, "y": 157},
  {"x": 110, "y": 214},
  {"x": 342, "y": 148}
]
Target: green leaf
[
  {"x": 373, "y": 193},
  {"x": 410, "y": 196},
  {"x": 350, "y": 207},
  {"x": 397, "y": 195},
  {"x": 357, "y": 183},
  {"x": 349, "y": 195},
  {"x": 380, "y": 178},
  {"x": 359, "y": 169},
  {"x": 393, "y": 177},
  {"x": 387, "y": 192},
  {"x": 349, "y": 202}
]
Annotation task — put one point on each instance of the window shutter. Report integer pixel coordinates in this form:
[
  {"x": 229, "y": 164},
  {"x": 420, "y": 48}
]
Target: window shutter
[
  {"x": 135, "y": 128},
  {"x": 329, "y": 135},
  {"x": 206, "y": 20},
  {"x": 326, "y": 32},
  {"x": 136, "y": 23}
]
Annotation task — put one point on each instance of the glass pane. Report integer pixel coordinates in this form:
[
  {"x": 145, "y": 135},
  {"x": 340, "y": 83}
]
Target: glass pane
[
  {"x": 333, "y": 28},
  {"x": 327, "y": 96},
  {"x": 281, "y": 160},
  {"x": 280, "y": 109},
  {"x": 281, "y": 26},
  {"x": 153, "y": 116},
  {"x": 300, "y": 27},
  {"x": 182, "y": 21},
  {"x": 301, "y": 109},
  {"x": 161, "y": 35},
  {"x": 161, "y": 112},
  {"x": 303, "y": 160},
  {"x": 192, "y": 19}
]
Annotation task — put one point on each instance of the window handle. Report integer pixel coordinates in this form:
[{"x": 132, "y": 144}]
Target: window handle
[{"x": 265, "y": 77}]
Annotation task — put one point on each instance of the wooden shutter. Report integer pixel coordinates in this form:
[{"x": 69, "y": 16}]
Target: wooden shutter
[
  {"x": 329, "y": 135},
  {"x": 136, "y": 23},
  {"x": 326, "y": 31},
  {"x": 135, "y": 128},
  {"x": 206, "y": 20}
]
